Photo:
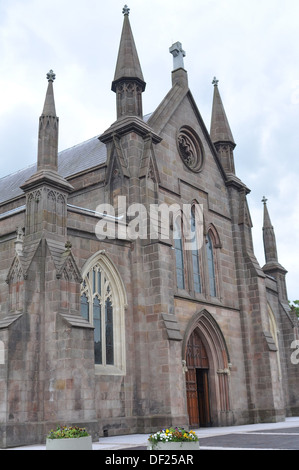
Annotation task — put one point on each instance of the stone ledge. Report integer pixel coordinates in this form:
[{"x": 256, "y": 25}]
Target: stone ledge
[
  {"x": 76, "y": 321},
  {"x": 172, "y": 327},
  {"x": 9, "y": 320}
]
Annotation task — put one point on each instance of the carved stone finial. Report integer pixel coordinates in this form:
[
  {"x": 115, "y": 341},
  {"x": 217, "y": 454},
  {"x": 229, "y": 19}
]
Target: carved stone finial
[
  {"x": 19, "y": 241},
  {"x": 178, "y": 55},
  {"x": 215, "y": 81},
  {"x": 126, "y": 10},
  {"x": 264, "y": 200},
  {"x": 20, "y": 234},
  {"x": 51, "y": 76},
  {"x": 68, "y": 246}
]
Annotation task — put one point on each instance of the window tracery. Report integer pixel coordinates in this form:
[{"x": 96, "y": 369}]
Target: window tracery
[{"x": 102, "y": 304}]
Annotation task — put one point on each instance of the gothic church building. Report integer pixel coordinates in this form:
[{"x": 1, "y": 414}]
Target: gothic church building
[{"x": 130, "y": 334}]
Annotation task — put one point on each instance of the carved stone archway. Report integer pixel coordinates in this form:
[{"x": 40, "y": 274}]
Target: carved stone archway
[{"x": 207, "y": 379}]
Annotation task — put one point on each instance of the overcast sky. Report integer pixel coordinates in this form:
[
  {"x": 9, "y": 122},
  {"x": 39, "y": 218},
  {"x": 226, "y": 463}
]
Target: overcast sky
[{"x": 251, "y": 46}]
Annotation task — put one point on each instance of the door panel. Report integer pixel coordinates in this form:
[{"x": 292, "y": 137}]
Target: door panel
[
  {"x": 203, "y": 397},
  {"x": 197, "y": 383},
  {"x": 192, "y": 397}
]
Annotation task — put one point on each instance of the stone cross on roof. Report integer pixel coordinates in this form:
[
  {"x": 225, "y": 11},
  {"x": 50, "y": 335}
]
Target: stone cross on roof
[
  {"x": 51, "y": 76},
  {"x": 215, "y": 81},
  {"x": 264, "y": 200},
  {"x": 178, "y": 55},
  {"x": 126, "y": 10}
]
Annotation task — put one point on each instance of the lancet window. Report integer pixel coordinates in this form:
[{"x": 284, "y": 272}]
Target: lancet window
[{"x": 102, "y": 304}]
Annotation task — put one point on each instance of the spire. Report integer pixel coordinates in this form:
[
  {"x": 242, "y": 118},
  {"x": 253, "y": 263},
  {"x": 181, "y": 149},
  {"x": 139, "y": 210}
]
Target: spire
[
  {"x": 220, "y": 133},
  {"x": 272, "y": 267},
  {"x": 47, "y": 154},
  {"x": 128, "y": 81},
  {"x": 46, "y": 190},
  {"x": 269, "y": 236},
  {"x": 48, "y": 130},
  {"x": 220, "y": 130}
]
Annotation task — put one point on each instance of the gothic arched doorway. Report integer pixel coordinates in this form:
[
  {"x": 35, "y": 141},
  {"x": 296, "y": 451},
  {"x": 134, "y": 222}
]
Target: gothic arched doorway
[
  {"x": 207, "y": 372},
  {"x": 197, "y": 382}
]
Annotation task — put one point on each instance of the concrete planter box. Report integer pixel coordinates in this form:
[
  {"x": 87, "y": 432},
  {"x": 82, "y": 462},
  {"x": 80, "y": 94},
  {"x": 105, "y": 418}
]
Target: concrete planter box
[
  {"x": 174, "y": 446},
  {"x": 80, "y": 443}
]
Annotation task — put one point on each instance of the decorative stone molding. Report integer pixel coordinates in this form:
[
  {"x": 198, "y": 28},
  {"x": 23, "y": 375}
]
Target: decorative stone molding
[
  {"x": 190, "y": 149},
  {"x": 223, "y": 371}
]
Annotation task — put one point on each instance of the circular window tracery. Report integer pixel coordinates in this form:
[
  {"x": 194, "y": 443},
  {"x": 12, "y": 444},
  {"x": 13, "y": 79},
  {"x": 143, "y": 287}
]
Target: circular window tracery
[{"x": 190, "y": 149}]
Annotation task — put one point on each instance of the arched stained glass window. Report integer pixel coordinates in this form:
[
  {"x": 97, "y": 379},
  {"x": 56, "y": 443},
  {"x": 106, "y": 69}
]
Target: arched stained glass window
[
  {"x": 97, "y": 323},
  {"x": 102, "y": 304},
  {"x": 179, "y": 254},
  {"x": 109, "y": 332},
  {"x": 211, "y": 265},
  {"x": 195, "y": 254}
]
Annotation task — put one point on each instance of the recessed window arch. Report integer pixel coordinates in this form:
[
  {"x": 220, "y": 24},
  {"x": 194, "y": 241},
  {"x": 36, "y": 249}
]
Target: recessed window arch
[
  {"x": 196, "y": 246},
  {"x": 103, "y": 303},
  {"x": 211, "y": 264},
  {"x": 213, "y": 243},
  {"x": 178, "y": 234}
]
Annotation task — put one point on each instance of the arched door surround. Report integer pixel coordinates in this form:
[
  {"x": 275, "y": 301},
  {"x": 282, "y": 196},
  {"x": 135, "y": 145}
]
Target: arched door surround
[{"x": 207, "y": 378}]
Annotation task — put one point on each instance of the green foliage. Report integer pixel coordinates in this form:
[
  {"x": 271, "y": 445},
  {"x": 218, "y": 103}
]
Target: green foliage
[
  {"x": 64, "y": 432},
  {"x": 294, "y": 304}
]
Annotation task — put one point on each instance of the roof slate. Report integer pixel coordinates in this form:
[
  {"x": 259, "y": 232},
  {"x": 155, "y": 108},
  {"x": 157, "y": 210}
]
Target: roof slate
[{"x": 70, "y": 162}]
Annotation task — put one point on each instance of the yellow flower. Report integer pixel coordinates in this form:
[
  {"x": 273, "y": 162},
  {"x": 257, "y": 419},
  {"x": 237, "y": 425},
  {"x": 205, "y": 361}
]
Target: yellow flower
[{"x": 167, "y": 431}]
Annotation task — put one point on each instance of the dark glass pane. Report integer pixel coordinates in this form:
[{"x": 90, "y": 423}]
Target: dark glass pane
[
  {"x": 99, "y": 282},
  {"x": 180, "y": 269},
  {"x": 109, "y": 333},
  {"x": 84, "y": 307},
  {"x": 97, "y": 323},
  {"x": 195, "y": 260},
  {"x": 196, "y": 272},
  {"x": 179, "y": 259},
  {"x": 180, "y": 279},
  {"x": 193, "y": 226},
  {"x": 93, "y": 281},
  {"x": 211, "y": 266}
]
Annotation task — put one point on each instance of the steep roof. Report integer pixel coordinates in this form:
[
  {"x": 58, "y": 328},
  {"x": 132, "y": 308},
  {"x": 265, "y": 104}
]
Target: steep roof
[{"x": 71, "y": 161}]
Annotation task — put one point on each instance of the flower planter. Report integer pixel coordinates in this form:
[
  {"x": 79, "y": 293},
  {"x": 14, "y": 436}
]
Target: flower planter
[
  {"x": 174, "y": 446},
  {"x": 173, "y": 439},
  {"x": 80, "y": 443}
]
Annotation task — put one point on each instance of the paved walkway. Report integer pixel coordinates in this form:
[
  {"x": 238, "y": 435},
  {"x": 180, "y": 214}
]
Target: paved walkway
[{"x": 266, "y": 436}]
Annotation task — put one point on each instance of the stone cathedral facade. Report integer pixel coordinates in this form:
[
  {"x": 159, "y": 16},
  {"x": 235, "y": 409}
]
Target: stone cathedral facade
[{"x": 126, "y": 333}]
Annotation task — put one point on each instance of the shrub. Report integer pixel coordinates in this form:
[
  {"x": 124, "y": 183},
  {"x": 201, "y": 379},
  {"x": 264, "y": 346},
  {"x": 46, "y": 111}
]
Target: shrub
[{"x": 65, "y": 432}]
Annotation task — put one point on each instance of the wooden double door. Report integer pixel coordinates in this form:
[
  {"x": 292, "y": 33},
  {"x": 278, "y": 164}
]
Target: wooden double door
[{"x": 197, "y": 383}]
